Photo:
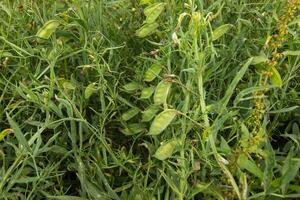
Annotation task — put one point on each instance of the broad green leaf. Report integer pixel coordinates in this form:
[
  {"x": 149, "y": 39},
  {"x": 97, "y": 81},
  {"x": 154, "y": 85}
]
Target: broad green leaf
[
  {"x": 67, "y": 85},
  {"x": 250, "y": 166},
  {"x": 147, "y": 92},
  {"x": 48, "y": 29},
  {"x": 162, "y": 121},
  {"x": 147, "y": 30},
  {"x": 132, "y": 86},
  {"x": 166, "y": 150},
  {"x": 161, "y": 92},
  {"x": 245, "y": 135},
  {"x": 132, "y": 129},
  {"x": 89, "y": 90},
  {"x": 4, "y": 54},
  {"x": 5, "y": 132},
  {"x": 221, "y": 30},
  {"x": 153, "y": 11},
  {"x": 152, "y": 72},
  {"x": 130, "y": 114},
  {"x": 258, "y": 60},
  {"x": 149, "y": 113},
  {"x": 275, "y": 78},
  {"x": 224, "y": 147}
]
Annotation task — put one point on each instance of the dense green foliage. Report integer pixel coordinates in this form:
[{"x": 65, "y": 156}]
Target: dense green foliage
[{"x": 128, "y": 99}]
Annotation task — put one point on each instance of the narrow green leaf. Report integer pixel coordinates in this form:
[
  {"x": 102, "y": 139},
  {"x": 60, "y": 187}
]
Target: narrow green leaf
[
  {"x": 5, "y": 133},
  {"x": 291, "y": 53},
  {"x": 170, "y": 182},
  {"x": 18, "y": 133},
  {"x": 65, "y": 198},
  {"x": 233, "y": 85}
]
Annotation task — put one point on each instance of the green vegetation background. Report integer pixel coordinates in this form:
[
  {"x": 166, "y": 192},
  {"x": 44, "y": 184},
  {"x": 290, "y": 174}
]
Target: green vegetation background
[{"x": 127, "y": 99}]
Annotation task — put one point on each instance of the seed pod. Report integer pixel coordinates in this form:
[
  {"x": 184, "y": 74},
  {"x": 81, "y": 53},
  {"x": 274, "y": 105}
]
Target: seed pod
[
  {"x": 147, "y": 92},
  {"x": 161, "y": 92},
  {"x": 166, "y": 150},
  {"x": 131, "y": 87},
  {"x": 162, "y": 121},
  {"x": 130, "y": 114},
  {"x": 132, "y": 129},
  {"x": 152, "y": 73},
  {"x": 48, "y": 29},
  {"x": 221, "y": 30},
  {"x": 149, "y": 113},
  {"x": 146, "y": 30},
  {"x": 153, "y": 11},
  {"x": 89, "y": 90}
]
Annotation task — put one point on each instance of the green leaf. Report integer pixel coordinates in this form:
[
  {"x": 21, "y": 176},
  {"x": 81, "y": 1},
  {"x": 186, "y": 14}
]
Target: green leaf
[
  {"x": 166, "y": 150},
  {"x": 275, "y": 78},
  {"x": 247, "y": 164},
  {"x": 48, "y": 29},
  {"x": 291, "y": 53},
  {"x": 130, "y": 114},
  {"x": 258, "y": 60},
  {"x": 89, "y": 90},
  {"x": 65, "y": 198},
  {"x": 67, "y": 85},
  {"x": 18, "y": 133},
  {"x": 153, "y": 11},
  {"x": 221, "y": 30},
  {"x": 147, "y": 92},
  {"x": 147, "y": 30},
  {"x": 5, "y": 133},
  {"x": 162, "y": 121},
  {"x": 152, "y": 72},
  {"x": 143, "y": 2},
  {"x": 4, "y": 54}
]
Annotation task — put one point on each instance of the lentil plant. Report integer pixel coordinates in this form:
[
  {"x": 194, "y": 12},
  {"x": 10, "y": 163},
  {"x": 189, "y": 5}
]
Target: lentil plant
[{"x": 149, "y": 99}]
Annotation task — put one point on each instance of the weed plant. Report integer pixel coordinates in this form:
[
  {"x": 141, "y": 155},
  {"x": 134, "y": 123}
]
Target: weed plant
[{"x": 148, "y": 99}]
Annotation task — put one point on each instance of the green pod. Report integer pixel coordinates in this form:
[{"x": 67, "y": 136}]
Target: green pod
[
  {"x": 48, "y": 29},
  {"x": 162, "y": 121},
  {"x": 161, "y": 92}
]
